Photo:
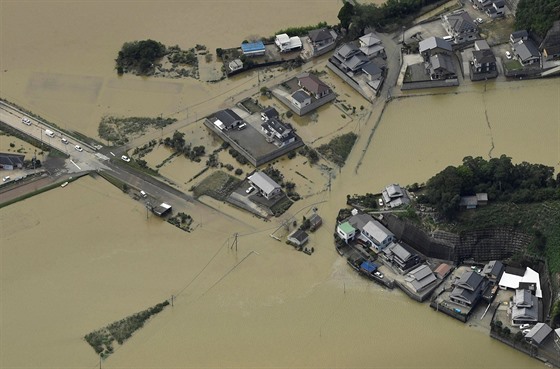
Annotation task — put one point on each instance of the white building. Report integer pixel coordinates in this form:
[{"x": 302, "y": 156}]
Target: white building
[{"x": 286, "y": 43}]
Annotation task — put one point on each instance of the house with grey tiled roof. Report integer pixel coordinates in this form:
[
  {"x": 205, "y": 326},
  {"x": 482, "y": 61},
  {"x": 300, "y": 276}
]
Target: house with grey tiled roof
[
  {"x": 301, "y": 99},
  {"x": 526, "y": 52},
  {"x": 468, "y": 289},
  {"x": 322, "y": 39},
  {"x": 400, "y": 257},
  {"x": 493, "y": 271},
  {"x": 432, "y": 46},
  {"x": 461, "y": 26},
  {"x": 278, "y": 132},
  {"x": 298, "y": 237},
  {"x": 371, "y": 45},
  {"x": 394, "y": 195},
  {"x": 441, "y": 67},
  {"x": 497, "y": 9},
  {"x": 517, "y": 36},
  {"x": 265, "y": 185},
  {"x": 226, "y": 119},
  {"x": 525, "y": 308},
  {"x": 420, "y": 278},
  {"x": 538, "y": 334}
]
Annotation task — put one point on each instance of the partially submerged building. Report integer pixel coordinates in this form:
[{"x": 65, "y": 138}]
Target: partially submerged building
[
  {"x": 420, "y": 279},
  {"x": 468, "y": 289},
  {"x": 394, "y": 196},
  {"x": 525, "y": 308},
  {"x": 11, "y": 161},
  {"x": 286, "y": 43},
  {"x": 298, "y": 237},
  {"x": 265, "y": 185}
]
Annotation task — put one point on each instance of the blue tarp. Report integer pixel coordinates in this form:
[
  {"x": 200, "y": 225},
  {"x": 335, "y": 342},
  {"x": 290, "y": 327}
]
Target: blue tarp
[
  {"x": 252, "y": 47},
  {"x": 368, "y": 266}
]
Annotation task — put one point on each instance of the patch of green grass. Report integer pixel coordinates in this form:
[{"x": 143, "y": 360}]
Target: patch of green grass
[
  {"x": 218, "y": 185},
  {"x": 513, "y": 65},
  {"x": 118, "y": 130},
  {"x": 338, "y": 149}
]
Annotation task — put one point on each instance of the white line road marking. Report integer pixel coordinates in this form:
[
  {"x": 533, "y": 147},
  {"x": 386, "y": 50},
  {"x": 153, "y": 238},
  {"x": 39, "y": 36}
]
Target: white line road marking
[
  {"x": 110, "y": 152},
  {"x": 75, "y": 164}
]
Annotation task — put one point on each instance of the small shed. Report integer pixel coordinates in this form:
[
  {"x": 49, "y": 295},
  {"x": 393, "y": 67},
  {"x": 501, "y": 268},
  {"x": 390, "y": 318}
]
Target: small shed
[
  {"x": 315, "y": 221},
  {"x": 253, "y": 48},
  {"x": 162, "y": 209},
  {"x": 298, "y": 237},
  {"x": 368, "y": 267}
]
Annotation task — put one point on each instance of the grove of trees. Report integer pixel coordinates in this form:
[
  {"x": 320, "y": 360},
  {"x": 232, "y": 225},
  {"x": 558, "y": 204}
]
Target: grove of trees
[
  {"x": 499, "y": 177},
  {"x": 139, "y": 56},
  {"x": 537, "y": 15}
]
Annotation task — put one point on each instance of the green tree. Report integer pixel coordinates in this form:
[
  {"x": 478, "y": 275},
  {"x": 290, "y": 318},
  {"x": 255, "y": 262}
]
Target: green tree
[{"x": 345, "y": 14}]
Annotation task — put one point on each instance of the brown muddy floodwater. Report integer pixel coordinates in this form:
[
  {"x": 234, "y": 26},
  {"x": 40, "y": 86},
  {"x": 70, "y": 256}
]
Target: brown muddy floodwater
[{"x": 77, "y": 258}]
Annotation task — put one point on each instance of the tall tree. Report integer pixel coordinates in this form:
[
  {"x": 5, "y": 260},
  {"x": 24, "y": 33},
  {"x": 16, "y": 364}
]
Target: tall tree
[{"x": 345, "y": 14}]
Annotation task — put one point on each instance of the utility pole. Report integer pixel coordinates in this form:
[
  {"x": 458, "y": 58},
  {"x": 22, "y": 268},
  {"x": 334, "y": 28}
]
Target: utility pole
[{"x": 172, "y": 298}]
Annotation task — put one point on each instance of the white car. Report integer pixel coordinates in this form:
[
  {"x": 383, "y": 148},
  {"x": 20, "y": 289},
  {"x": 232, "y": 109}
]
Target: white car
[
  {"x": 64, "y": 141},
  {"x": 250, "y": 189},
  {"x": 26, "y": 121},
  {"x": 508, "y": 55},
  {"x": 525, "y": 331},
  {"x": 525, "y": 326},
  {"x": 78, "y": 148},
  {"x": 479, "y": 20},
  {"x": 380, "y": 202},
  {"x": 125, "y": 158},
  {"x": 5, "y": 179},
  {"x": 378, "y": 275}
]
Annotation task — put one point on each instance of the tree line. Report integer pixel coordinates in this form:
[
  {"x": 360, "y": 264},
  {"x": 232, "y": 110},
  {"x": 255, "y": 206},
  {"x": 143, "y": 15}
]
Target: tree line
[
  {"x": 498, "y": 177},
  {"x": 357, "y": 17},
  {"x": 537, "y": 16}
]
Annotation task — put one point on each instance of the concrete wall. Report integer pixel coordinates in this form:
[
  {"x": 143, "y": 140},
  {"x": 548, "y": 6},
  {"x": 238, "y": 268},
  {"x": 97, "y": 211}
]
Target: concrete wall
[
  {"x": 351, "y": 82},
  {"x": 429, "y": 84},
  {"x": 306, "y": 109}
]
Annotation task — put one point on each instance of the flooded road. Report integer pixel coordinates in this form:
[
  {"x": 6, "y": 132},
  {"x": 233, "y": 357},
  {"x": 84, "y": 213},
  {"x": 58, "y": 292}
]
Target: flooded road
[{"x": 77, "y": 258}]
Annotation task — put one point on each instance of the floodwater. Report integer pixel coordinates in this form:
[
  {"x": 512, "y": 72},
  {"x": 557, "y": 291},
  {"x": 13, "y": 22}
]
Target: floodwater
[{"x": 77, "y": 258}]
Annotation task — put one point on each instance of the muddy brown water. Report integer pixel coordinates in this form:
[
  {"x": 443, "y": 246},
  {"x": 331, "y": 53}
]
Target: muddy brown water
[{"x": 77, "y": 258}]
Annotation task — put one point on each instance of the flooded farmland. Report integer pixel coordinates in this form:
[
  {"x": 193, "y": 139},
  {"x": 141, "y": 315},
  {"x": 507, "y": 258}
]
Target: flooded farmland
[{"x": 77, "y": 258}]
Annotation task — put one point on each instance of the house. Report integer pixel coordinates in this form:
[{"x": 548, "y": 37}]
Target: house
[
  {"x": 481, "y": 45},
  {"x": 355, "y": 64},
  {"x": 227, "y": 119},
  {"x": 461, "y": 26},
  {"x": 313, "y": 85},
  {"x": 376, "y": 235},
  {"x": 517, "y": 36},
  {"x": 483, "y": 61},
  {"x": 526, "y": 52},
  {"x": 346, "y": 231},
  {"x": 298, "y": 237},
  {"x": 538, "y": 334},
  {"x": 394, "y": 195},
  {"x": 253, "y": 49},
  {"x": 265, "y": 185},
  {"x": 268, "y": 113},
  {"x": 235, "y": 65},
  {"x": 286, "y": 43},
  {"x": 497, "y": 9},
  {"x": 557, "y": 335},
  {"x": 372, "y": 71},
  {"x": 401, "y": 257},
  {"x": 420, "y": 278},
  {"x": 277, "y": 131},
  {"x": 481, "y": 4},
  {"x": 443, "y": 270},
  {"x": 513, "y": 278},
  {"x": 550, "y": 46},
  {"x": 441, "y": 67},
  {"x": 493, "y": 271},
  {"x": 371, "y": 46},
  {"x": 471, "y": 202},
  {"x": 300, "y": 99},
  {"x": 346, "y": 52},
  {"x": 315, "y": 221},
  {"x": 525, "y": 309},
  {"x": 321, "y": 39},
  {"x": 432, "y": 46},
  {"x": 9, "y": 161},
  {"x": 468, "y": 289}
]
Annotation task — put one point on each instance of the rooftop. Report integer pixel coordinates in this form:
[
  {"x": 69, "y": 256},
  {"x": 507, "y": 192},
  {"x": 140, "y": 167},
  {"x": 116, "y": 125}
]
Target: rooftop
[
  {"x": 433, "y": 42},
  {"x": 264, "y": 182}
]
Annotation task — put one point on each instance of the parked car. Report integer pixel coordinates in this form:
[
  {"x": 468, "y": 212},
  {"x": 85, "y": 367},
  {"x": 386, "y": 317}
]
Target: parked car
[
  {"x": 5, "y": 179},
  {"x": 525, "y": 326},
  {"x": 26, "y": 121},
  {"x": 479, "y": 20},
  {"x": 78, "y": 148},
  {"x": 143, "y": 194},
  {"x": 378, "y": 275},
  {"x": 64, "y": 141},
  {"x": 525, "y": 331},
  {"x": 380, "y": 202},
  {"x": 241, "y": 126},
  {"x": 125, "y": 158},
  {"x": 508, "y": 55},
  {"x": 250, "y": 189}
]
